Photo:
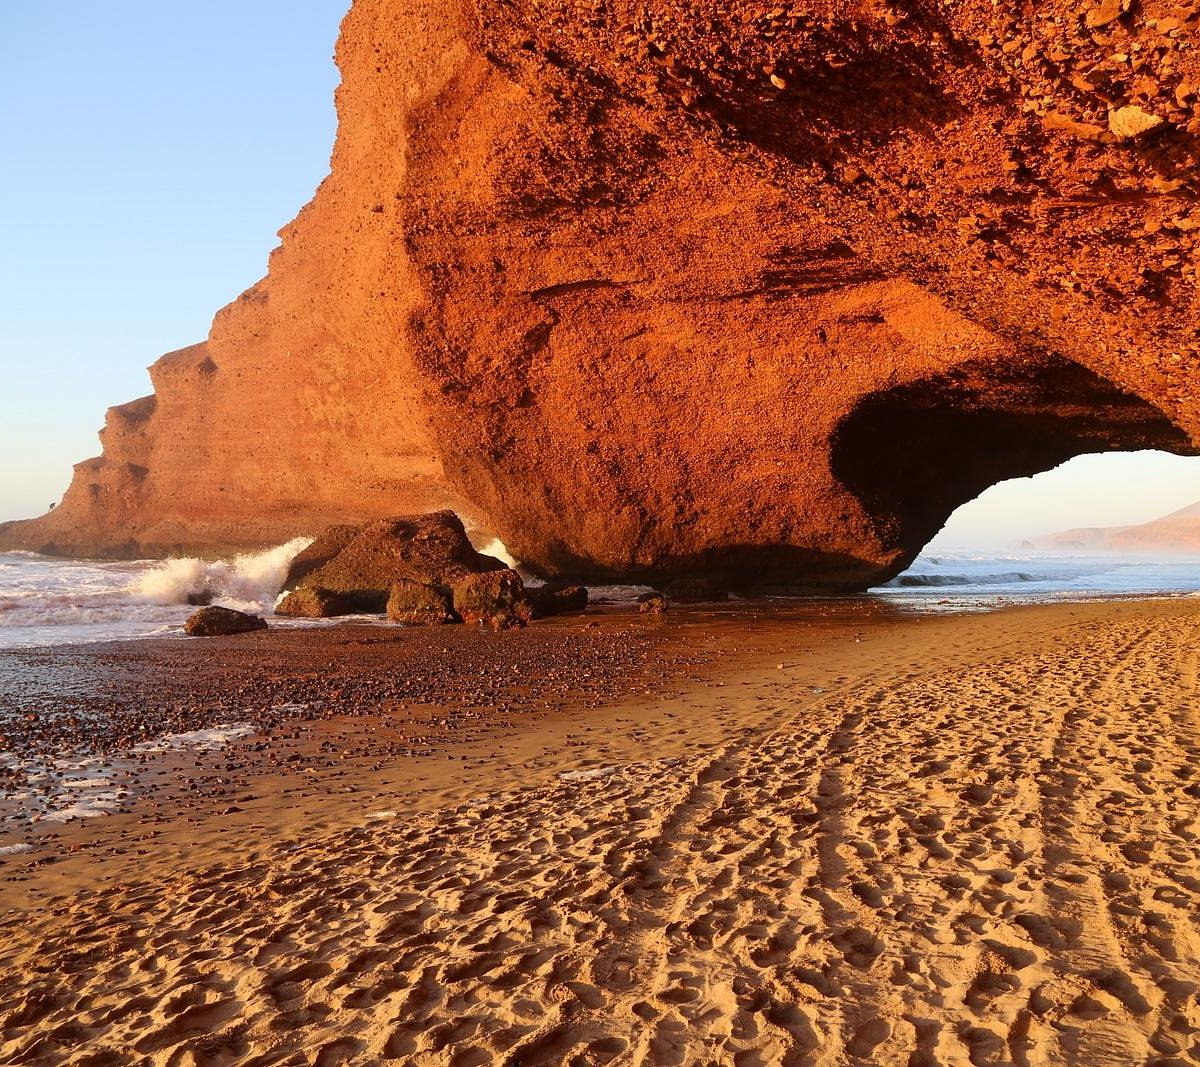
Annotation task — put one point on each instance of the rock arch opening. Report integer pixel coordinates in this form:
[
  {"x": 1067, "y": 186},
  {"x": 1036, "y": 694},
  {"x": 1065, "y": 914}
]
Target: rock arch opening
[
  {"x": 1115, "y": 503},
  {"x": 914, "y": 453}
]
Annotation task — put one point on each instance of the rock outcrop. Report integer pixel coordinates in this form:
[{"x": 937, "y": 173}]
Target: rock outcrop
[
  {"x": 415, "y": 604},
  {"x": 370, "y": 559},
  {"x": 316, "y": 602},
  {"x": 557, "y": 598},
  {"x": 655, "y": 290}
]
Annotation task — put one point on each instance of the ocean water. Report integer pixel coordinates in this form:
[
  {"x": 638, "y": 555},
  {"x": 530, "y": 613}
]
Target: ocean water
[
  {"x": 966, "y": 581},
  {"x": 47, "y": 601}
]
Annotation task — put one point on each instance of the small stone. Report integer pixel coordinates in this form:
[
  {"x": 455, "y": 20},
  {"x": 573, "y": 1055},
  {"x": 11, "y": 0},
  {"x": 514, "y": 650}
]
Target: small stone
[
  {"x": 1053, "y": 120},
  {"x": 652, "y": 604},
  {"x": 1105, "y": 12},
  {"x": 1131, "y": 121}
]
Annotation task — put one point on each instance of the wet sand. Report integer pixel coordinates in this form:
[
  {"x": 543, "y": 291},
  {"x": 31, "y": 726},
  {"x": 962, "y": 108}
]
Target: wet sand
[{"x": 713, "y": 838}]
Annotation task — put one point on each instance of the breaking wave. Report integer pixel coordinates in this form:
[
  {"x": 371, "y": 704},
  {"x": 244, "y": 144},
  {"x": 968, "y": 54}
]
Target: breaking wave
[
  {"x": 1045, "y": 577},
  {"x": 45, "y": 601},
  {"x": 906, "y": 581},
  {"x": 249, "y": 582}
]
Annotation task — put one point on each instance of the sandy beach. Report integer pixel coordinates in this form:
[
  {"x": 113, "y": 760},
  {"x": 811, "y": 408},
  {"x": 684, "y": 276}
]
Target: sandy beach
[{"x": 740, "y": 837}]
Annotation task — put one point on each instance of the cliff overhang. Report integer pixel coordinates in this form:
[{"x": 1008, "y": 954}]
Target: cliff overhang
[{"x": 648, "y": 291}]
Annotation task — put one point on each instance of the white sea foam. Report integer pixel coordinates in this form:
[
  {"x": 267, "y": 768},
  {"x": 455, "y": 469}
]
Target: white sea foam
[
  {"x": 90, "y": 806},
  {"x": 496, "y": 548},
  {"x": 198, "y": 740},
  {"x": 86, "y": 787},
  {"x": 250, "y": 581},
  {"x": 1040, "y": 577},
  {"x": 617, "y": 595},
  {"x": 45, "y": 601}
]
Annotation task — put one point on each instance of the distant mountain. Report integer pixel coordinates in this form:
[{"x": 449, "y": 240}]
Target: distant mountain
[{"x": 1178, "y": 532}]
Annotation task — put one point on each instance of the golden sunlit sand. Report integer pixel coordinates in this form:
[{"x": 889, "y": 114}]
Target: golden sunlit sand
[{"x": 960, "y": 840}]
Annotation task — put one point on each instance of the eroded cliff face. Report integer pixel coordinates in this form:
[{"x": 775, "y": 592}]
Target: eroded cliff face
[{"x": 666, "y": 287}]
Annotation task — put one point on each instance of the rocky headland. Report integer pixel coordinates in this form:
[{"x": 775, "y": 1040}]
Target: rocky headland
[
  {"x": 665, "y": 289},
  {"x": 1174, "y": 534}
]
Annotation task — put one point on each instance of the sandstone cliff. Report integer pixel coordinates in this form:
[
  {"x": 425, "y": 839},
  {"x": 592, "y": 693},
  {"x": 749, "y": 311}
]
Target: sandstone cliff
[{"x": 663, "y": 287}]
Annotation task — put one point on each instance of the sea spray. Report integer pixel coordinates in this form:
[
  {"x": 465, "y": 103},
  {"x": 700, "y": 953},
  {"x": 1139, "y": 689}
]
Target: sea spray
[
  {"x": 495, "y": 548},
  {"x": 51, "y": 601},
  {"x": 250, "y": 581}
]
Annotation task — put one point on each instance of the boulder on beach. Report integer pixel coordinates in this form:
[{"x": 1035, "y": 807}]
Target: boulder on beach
[
  {"x": 493, "y": 598},
  {"x": 220, "y": 622},
  {"x": 416, "y": 604},
  {"x": 368, "y": 560},
  {"x": 557, "y": 598},
  {"x": 652, "y": 604},
  {"x": 316, "y": 602}
]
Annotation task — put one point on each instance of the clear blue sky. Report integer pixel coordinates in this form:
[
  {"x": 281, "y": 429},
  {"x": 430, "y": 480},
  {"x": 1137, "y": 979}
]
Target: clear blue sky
[{"x": 151, "y": 152}]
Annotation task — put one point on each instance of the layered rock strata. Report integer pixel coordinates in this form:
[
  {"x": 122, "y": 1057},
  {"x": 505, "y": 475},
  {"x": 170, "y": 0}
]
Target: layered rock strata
[{"x": 659, "y": 289}]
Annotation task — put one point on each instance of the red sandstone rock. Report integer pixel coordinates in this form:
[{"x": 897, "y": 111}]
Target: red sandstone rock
[
  {"x": 315, "y": 602},
  {"x": 557, "y": 598},
  {"x": 415, "y": 604},
  {"x": 695, "y": 590},
  {"x": 756, "y": 292},
  {"x": 652, "y": 604},
  {"x": 370, "y": 559}
]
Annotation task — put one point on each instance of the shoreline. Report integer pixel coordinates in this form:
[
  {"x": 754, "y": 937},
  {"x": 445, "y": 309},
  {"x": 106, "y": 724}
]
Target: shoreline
[
  {"x": 341, "y": 683},
  {"x": 728, "y": 747},
  {"x": 458, "y": 700}
]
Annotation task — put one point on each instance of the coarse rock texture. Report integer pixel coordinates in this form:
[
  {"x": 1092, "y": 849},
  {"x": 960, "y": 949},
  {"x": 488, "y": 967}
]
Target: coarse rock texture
[
  {"x": 495, "y": 598},
  {"x": 557, "y": 598},
  {"x": 371, "y": 559},
  {"x": 696, "y": 590},
  {"x": 222, "y": 622},
  {"x": 314, "y": 602},
  {"x": 652, "y": 604},
  {"x": 656, "y": 290},
  {"x": 415, "y": 604}
]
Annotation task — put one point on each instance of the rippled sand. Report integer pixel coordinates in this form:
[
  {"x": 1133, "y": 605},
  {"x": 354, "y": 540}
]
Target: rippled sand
[{"x": 965, "y": 840}]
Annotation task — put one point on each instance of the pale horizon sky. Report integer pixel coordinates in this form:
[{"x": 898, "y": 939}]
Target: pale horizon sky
[
  {"x": 153, "y": 151},
  {"x": 1109, "y": 489}
]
